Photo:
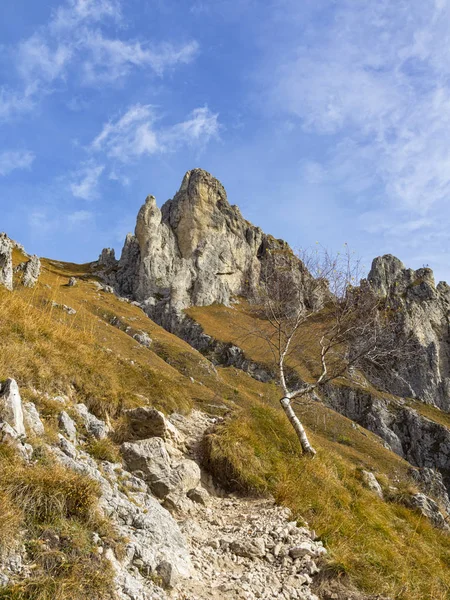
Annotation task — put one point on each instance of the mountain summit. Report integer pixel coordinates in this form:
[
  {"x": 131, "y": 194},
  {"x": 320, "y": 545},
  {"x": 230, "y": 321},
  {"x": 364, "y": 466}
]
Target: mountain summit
[{"x": 196, "y": 251}]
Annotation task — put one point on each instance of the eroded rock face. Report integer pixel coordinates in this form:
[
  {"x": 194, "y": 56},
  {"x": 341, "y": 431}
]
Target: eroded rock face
[
  {"x": 6, "y": 264},
  {"x": 423, "y": 309},
  {"x": 195, "y": 251},
  {"x": 11, "y": 406},
  {"x": 107, "y": 258},
  {"x": 31, "y": 271}
]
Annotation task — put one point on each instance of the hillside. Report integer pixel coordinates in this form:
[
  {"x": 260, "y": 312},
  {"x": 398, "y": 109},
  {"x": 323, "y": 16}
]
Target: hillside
[{"x": 67, "y": 345}]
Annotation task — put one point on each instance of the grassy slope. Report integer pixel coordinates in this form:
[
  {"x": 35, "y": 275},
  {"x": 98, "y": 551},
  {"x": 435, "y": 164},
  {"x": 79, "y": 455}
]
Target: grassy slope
[{"x": 383, "y": 547}]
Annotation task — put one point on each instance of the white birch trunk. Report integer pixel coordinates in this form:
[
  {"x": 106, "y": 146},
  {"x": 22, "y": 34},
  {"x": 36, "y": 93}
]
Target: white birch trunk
[{"x": 298, "y": 427}]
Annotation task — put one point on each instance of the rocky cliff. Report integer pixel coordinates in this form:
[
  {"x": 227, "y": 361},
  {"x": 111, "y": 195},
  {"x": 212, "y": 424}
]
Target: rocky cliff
[
  {"x": 423, "y": 310},
  {"x": 197, "y": 250}
]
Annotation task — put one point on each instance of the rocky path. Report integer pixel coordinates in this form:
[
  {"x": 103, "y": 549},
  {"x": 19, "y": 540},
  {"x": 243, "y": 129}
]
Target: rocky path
[
  {"x": 243, "y": 548},
  {"x": 183, "y": 539}
]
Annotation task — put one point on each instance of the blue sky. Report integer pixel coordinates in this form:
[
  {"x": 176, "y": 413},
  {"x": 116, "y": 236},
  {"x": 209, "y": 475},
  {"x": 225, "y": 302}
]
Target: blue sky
[{"x": 326, "y": 121}]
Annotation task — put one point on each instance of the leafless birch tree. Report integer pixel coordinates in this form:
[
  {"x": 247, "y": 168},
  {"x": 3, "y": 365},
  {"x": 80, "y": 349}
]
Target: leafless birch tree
[{"x": 311, "y": 313}]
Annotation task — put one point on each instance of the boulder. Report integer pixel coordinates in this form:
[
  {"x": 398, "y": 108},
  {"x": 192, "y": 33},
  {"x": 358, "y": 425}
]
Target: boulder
[
  {"x": 94, "y": 426},
  {"x": 151, "y": 459},
  {"x": 185, "y": 476},
  {"x": 372, "y": 483},
  {"x": 67, "y": 425},
  {"x": 32, "y": 419},
  {"x": 72, "y": 282},
  {"x": 10, "y": 437},
  {"x": 168, "y": 574},
  {"x": 145, "y": 422},
  {"x": 199, "y": 496},
  {"x": 429, "y": 509},
  {"x": 11, "y": 406},
  {"x": 250, "y": 548},
  {"x": 143, "y": 338}
]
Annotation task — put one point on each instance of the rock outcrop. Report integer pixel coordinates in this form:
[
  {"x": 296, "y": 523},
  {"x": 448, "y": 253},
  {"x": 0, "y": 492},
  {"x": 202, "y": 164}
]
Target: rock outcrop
[
  {"x": 423, "y": 309},
  {"x": 197, "y": 250},
  {"x": 11, "y": 406},
  {"x": 6, "y": 264},
  {"x": 31, "y": 271}
]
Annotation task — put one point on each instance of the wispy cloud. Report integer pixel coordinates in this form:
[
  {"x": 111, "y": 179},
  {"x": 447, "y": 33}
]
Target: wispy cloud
[
  {"x": 79, "y": 217},
  {"x": 378, "y": 77},
  {"x": 77, "y": 12},
  {"x": 85, "y": 181},
  {"x": 73, "y": 46},
  {"x": 139, "y": 133},
  {"x": 15, "y": 159},
  {"x": 112, "y": 59}
]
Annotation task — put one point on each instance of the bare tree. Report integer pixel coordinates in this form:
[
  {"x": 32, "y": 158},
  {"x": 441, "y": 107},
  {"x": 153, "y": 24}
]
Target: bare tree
[{"x": 312, "y": 316}]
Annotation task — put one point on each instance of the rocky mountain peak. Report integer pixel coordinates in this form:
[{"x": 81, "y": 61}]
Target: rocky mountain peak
[
  {"x": 389, "y": 276},
  {"x": 196, "y": 250},
  {"x": 423, "y": 310}
]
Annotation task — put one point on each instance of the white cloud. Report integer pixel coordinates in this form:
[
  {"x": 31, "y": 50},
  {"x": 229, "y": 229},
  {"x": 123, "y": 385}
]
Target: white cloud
[
  {"x": 113, "y": 59},
  {"x": 12, "y": 160},
  {"x": 76, "y": 12},
  {"x": 72, "y": 46},
  {"x": 79, "y": 217},
  {"x": 39, "y": 63},
  {"x": 378, "y": 77},
  {"x": 137, "y": 133},
  {"x": 13, "y": 103},
  {"x": 201, "y": 126},
  {"x": 85, "y": 181}
]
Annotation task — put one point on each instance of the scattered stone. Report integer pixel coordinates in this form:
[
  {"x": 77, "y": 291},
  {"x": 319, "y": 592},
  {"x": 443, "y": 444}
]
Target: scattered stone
[
  {"x": 372, "y": 483},
  {"x": 248, "y": 548},
  {"x": 199, "y": 495},
  {"x": 143, "y": 338},
  {"x": 32, "y": 419},
  {"x": 67, "y": 447},
  {"x": 94, "y": 426},
  {"x": 72, "y": 282},
  {"x": 429, "y": 509},
  {"x": 68, "y": 309},
  {"x": 68, "y": 426}
]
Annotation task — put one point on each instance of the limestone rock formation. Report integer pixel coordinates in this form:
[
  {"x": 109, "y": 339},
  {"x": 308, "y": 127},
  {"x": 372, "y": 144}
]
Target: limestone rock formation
[
  {"x": 31, "y": 271},
  {"x": 11, "y": 406},
  {"x": 423, "y": 309},
  {"x": 6, "y": 264},
  {"x": 107, "y": 258},
  {"x": 195, "y": 251}
]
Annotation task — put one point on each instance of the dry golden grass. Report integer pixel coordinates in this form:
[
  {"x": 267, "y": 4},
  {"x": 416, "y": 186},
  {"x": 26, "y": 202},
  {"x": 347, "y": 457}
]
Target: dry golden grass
[
  {"x": 381, "y": 546},
  {"x": 54, "y": 512}
]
